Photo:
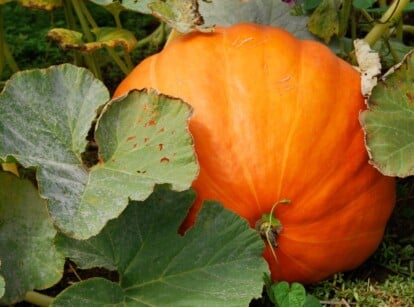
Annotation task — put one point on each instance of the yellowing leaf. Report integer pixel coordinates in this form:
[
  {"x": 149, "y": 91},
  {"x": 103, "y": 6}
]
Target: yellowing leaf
[
  {"x": 105, "y": 37},
  {"x": 46, "y": 5},
  {"x": 324, "y": 21}
]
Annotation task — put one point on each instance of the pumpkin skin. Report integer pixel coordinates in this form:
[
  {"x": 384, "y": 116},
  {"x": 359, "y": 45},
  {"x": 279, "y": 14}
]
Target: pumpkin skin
[{"x": 277, "y": 118}]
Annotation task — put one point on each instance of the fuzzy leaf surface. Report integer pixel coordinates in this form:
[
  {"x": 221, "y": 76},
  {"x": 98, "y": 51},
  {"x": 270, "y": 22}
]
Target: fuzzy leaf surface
[
  {"x": 389, "y": 121},
  {"x": 216, "y": 261},
  {"x": 28, "y": 256},
  {"x": 45, "y": 116},
  {"x": 267, "y": 12},
  {"x": 228, "y": 12},
  {"x": 144, "y": 140}
]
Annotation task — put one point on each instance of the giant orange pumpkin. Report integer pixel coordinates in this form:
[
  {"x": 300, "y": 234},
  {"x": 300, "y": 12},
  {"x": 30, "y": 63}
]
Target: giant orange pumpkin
[{"x": 277, "y": 118}]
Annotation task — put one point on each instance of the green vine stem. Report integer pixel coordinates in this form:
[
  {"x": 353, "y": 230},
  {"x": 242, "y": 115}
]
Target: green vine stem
[
  {"x": 382, "y": 26},
  {"x": 70, "y": 21},
  {"x": 174, "y": 34},
  {"x": 83, "y": 20},
  {"x": 88, "y": 15},
  {"x": 38, "y": 299},
  {"x": 89, "y": 59},
  {"x": 344, "y": 17},
  {"x": 155, "y": 37},
  {"x": 408, "y": 29}
]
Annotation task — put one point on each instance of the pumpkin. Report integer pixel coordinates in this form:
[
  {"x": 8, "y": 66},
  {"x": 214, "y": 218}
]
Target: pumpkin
[{"x": 277, "y": 118}]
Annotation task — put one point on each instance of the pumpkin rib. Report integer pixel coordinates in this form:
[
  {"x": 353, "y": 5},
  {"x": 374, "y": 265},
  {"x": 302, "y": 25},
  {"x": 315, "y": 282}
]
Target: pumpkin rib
[
  {"x": 230, "y": 112},
  {"x": 284, "y": 274}
]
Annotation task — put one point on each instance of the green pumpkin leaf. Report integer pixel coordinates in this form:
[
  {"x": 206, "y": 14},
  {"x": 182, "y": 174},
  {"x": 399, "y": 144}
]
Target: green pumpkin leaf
[
  {"x": 266, "y": 12},
  {"x": 29, "y": 258},
  {"x": 217, "y": 261},
  {"x": 389, "y": 121},
  {"x": 143, "y": 140},
  {"x": 216, "y": 13},
  {"x": 45, "y": 116},
  {"x": 286, "y": 295},
  {"x": 324, "y": 21}
]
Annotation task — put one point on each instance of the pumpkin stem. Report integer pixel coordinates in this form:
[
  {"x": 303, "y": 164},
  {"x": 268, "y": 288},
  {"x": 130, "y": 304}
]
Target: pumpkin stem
[
  {"x": 269, "y": 227},
  {"x": 174, "y": 34}
]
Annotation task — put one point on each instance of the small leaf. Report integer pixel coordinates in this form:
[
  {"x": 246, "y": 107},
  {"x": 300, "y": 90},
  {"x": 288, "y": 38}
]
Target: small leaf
[
  {"x": 29, "y": 258},
  {"x": 389, "y": 120},
  {"x": 310, "y": 5},
  {"x": 324, "y": 21},
  {"x": 67, "y": 39},
  {"x": 112, "y": 6},
  {"x": 363, "y": 4},
  {"x": 286, "y": 295},
  {"x": 105, "y": 37},
  {"x": 46, "y": 5},
  {"x": 312, "y": 301},
  {"x": 112, "y": 37},
  {"x": 182, "y": 15},
  {"x": 217, "y": 261}
]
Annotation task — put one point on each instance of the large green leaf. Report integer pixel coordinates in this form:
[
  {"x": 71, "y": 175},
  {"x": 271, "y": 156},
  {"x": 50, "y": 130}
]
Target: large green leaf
[
  {"x": 143, "y": 140},
  {"x": 267, "y": 12},
  {"x": 29, "y": 258},
  {"x": 45, "y": 116},
  {"x": 217, "y": 262},
  {"x": 389, "y": 121},
  {"x": 229, "y": 12}
]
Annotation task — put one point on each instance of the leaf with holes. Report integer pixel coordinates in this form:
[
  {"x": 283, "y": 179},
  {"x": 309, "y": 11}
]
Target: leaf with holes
[
  {"x": 389, "y": 121},
  {"x": 217, "y": 261},
  {"x": 45, "y": 116}
]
